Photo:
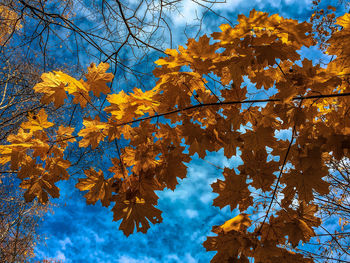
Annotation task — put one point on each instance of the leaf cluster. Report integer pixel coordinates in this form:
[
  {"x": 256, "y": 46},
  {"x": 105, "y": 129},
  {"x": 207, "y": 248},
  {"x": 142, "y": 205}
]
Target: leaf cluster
[{"x": 162, "y": 128}]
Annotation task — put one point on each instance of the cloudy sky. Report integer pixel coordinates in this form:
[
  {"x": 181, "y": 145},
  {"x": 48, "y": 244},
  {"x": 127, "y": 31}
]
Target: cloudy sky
[{"x": 76, "y": 232}]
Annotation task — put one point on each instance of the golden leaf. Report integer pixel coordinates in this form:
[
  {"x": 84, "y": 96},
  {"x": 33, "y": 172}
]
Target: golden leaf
[
  {"x": 97, "y": 78},
  {"x": 53, "y": 89},
  {"x": 238, "y": 223},
  {"x": 93, "y": 133},
  {"x": 99, "y": 188},
  {"x": 37, "y": 122}
]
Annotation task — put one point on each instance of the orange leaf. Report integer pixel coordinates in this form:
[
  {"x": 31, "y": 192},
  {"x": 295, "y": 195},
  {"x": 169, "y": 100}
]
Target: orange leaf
[
  {"x": 53, "y": 89},
  {"x": 99, "y": 188},
  {"x": 37, "y": 122},
  {"x": 97, "y": 78},
  {"x": 93, "y": 133}
]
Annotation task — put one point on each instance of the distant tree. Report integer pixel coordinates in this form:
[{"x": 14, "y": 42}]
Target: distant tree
[
  {"x": 18, "y": 223},
  {"x": 19, "y": 220}
]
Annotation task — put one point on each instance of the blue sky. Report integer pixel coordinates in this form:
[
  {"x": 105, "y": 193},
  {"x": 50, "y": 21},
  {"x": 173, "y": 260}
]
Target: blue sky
[{"x": 76, "y": 232}]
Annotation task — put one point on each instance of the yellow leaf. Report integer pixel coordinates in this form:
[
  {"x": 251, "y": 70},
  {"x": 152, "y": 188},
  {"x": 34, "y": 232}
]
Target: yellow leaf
[
  {"x": 53, "y": 89},
  {"x": 71, "y": 84},
  {"x": 97, "y": 78},
  {"x": 118, "y": 103},
  {"x": 238, "y": 223},
  {"x": 37, "y": 122},
  {"x": 93, "y": 133}
]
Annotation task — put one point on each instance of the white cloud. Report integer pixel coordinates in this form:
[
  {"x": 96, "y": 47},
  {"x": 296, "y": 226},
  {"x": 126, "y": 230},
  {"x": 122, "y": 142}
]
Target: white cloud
[
  {"x": 191, "y": 213},
  {"x": 98, "y": 239},
  {"x": 190, "y": 259},
  {"x": 206, "y": 198},
  {"x": 65, "y": 242},
  {"x": 188, "y": 13},
  {"x": 176, "y": 258},
  {"x": 127, "y": 259},
  {"x": 172, "y": 257},
  {"x": 292, "y": 2},
  {"x": 60, "y": 256}
]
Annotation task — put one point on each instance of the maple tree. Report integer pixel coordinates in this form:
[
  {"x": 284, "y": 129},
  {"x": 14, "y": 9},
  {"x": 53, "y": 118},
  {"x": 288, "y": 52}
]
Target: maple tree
[{"x": 157, "y": 131}]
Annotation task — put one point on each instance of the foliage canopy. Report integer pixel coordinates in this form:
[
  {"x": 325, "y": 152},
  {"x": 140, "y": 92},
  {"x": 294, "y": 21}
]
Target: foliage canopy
[{"x": 200, "y": 104}]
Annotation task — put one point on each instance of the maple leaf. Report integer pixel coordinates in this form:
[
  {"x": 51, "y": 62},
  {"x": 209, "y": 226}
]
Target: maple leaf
[
  {"x": 230, "y": 246},
  {"x": 29, "y": 168},
  {"x": 40, "y": 187},
  {"x": 16, "y": 151},
  {"x": 200, "y": 54},
  {"x": 298, "y": 224},
  {"x": 238, "y": 223},
  {"x": 233, "y": 191},
  {"x": 195, "y": 138},
  {"x": 147, "y": 186},
  {"x": 196, "y": 147},
  {"x": 93, "y": 133},
  {"x": 118, "y": 103},
  {"x": 118, "y": 169},
  {"x": 172, "y": 166},
  {"x": 53, "y": 89},
  {"x": 339, "y": 41},
  {"x": 99, "y": 188},
  {"x": 17, "y": 156},
  {"x": 5, "y": 154},
  {"x": 296, "y": 116},
  {"x": 97, "y": 78},
  {"x": 79, "y": 89},
  {"x": 260, "y": 138},
  {"x": 267, "y": 54},
  {"x": 58, "y": 167},
  {"x": 142, "y": 160},
  {"x": 266, "y": 78},
  {"x": 64, "y": 135},
  {"x": 299, "y": 230},
  {"x": 267, "y": 252},
  {"x": 144, "y": 101},
  {"x": 286, "y": 92},
  {"x": 304, "y": 183},
  {"x": 201, "y": 49},
  {"x": 261, "y": 171},
  {"x": 135, "y": 212},
  {"x": 124, "y": 106},
  {"x": 41, "y": 148},
  {"x": 177, "y": 89},
  {"x": 37, "y": 122},
  {"x": 71, "y": 84},
  {"x": 174, "y": 59},
  {"x": 232, "y": 140},
  {"x": 234, "y": 94},
  {"x": 116, "y": 131}
]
